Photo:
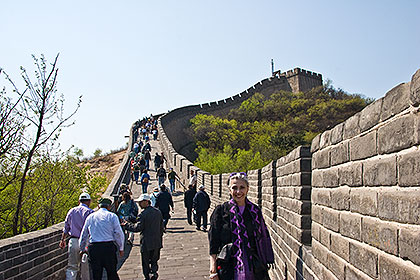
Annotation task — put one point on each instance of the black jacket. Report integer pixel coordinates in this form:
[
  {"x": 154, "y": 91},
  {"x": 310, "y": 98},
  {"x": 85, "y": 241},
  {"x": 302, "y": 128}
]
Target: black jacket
[
  {"x": 201, "y": 201},
  {"x": 150, "y": 226},
  {"x": 188, "y": 197},
  {"x": 163, "y": 201}
]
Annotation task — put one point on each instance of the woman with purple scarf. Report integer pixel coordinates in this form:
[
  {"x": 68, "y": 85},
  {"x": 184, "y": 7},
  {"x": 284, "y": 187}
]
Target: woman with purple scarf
[{"x": 240, "y": 246}]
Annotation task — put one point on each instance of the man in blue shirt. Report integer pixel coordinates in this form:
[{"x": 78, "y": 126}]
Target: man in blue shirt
[{"x": 105, "y": 238}]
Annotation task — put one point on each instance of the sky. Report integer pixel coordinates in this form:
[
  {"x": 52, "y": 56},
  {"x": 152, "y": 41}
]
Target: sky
[{"x": 129, "y": 59}]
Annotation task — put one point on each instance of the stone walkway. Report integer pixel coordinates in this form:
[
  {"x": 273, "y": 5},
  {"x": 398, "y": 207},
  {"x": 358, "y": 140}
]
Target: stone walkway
[{"x": 185, "y": 250}]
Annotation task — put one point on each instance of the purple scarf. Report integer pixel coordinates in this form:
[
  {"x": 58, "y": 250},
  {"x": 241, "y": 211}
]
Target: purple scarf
[{"x": 241, "y": 239}]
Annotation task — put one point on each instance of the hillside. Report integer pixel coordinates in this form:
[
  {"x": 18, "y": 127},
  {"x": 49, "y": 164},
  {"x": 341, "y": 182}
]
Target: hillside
[{"x": 106, "y": 165}]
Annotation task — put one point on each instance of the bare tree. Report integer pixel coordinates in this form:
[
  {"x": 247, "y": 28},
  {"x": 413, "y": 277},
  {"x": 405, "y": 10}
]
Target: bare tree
[{"x": 43, "y": 112}]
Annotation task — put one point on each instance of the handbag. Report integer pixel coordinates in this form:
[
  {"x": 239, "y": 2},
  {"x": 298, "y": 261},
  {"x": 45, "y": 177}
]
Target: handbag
[{"x": 224, "y": 263}]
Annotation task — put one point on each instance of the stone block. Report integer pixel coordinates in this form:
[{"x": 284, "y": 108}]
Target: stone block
[
  {"x": 325, "y": 139},
  {"x": 325, "y": 237},
  {"x": 409, "y": 168},
  {"x": 409, "y": 243},
  {"x": 315, "y": 227},
  {"x": 336, "y": 265},
  {"x": 320, "y": 252},
  {"x": 415, "y": 89},
  {"x": 350, "y": 174},
  {"x": 353, "y": 273},
  {"x": 321, "y": 159},
  {"x": 340, "y": 198},
  {"x": 317, "y": 178},
  {"x": 369, "y": 116},
  {"x": 351, "y": 225},
  {"x": 382, "y": 235},
  {"x": 339, "y": 153},
  {"x": 395, "y": 101},
  {"x": 363, "y": 146},
  {"x": 321, "y": 196},
  {"x": 364, "y": 258},
  {"x": 364, "y": 201},
  {"x": 398, "y": 134},
  {"x": 391, "y": 268},
  {"x": 331, "y": 219},
  {"x": 340, "y": 246},
  {"x": 399, "y": 205},
  {"x": 317, "y": 212},
  {"x": 337, "y": 134},
  {"x": 330, "y": 177},
  {"x": 315, "y": 143},
  {"x": 351, "y": 127},
  {"x": 381, "y": 171}
]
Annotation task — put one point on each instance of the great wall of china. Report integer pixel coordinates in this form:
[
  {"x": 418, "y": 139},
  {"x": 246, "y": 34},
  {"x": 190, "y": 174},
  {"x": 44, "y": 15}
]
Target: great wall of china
[{"x": 348, "y": 207}]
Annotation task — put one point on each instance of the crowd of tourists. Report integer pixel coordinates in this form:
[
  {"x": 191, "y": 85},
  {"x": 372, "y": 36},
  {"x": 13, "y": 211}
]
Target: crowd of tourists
[{"x": 240, "y": 246}]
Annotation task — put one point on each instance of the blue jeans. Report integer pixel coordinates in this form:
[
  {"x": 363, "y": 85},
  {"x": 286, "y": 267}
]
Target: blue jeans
[
  {"x": 147, "y": 164},
  {"x": 144, "y": 187},
  {"x": 172, "y": 184},
  {"x": 161, "y": 180}
]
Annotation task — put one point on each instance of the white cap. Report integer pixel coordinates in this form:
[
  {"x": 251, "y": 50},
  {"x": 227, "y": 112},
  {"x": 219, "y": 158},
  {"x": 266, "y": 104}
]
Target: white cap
[
  {"x": 143, "y": 197},
  {"x": 84, "y": 196},
  {"x": 201, "y": 187}
]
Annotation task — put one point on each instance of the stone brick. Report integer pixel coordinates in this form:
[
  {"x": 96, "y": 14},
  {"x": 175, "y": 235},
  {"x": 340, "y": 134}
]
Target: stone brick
[
  {"x": 409, "y": 169},
  {"x": 340, "y": 246},
  {"x": 340, "y": 198},
  {"x": 380, "y": 171},
  {"x": 321, "y": 159},
  {"x": 317, "y": 212},
  {"x": 409, "y": 243},
  {"x": 336, "y": 265},
  {"x": 321, "y": 196},
  {"x": 391, "y": 268},
  {"x": 325, "y": 237},
  {"x": 315, "y": 143},
  {"x": 363, "y": 146},
  {"x": 395, "y": 101},
  {"x": 331, "y": 219},
  {"x": 415, "y": 89},
  {"x": 330, "y": 177},
  {"x": 351, "y": 127},
  {"x": 364, "y": 258},
  {"x": 315, "y": 227},
  {"x": 369, "y": 116},
  {"x": 354, "y": 274},
  {"x": 350, "y": 225},
  {"x": 350, "y": 174},
  {"x": 399, "y": 205},
  {"x": 336, "y": 135},
  {"x": 339, "y": 153},
  {"x": 382, "y": 235},
  {"x": 320, "y": 252},
  {"x": 398, "y": 134},
  {"x": 317, "y": 178},
  {"x": 364, "y": 201},
  {"x": 325, "y": 139}
]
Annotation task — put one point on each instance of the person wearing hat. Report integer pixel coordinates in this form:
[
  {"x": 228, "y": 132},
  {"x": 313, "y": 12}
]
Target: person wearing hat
[
  {"x": 105, "y": 235},
  {"x": 153, "y": 195},
  {"x": 150, "y": 226},
  {"x": 201, "y": 204},
  {"x": 73, "y": 225}
]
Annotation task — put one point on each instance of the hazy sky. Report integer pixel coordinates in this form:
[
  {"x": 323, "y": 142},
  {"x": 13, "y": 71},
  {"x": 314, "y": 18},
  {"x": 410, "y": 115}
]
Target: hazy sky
[{"x": 132, "y": 58}]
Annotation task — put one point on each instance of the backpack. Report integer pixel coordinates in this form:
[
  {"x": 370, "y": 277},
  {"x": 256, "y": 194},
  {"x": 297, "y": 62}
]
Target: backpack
[{"x": 145, "y": 180}]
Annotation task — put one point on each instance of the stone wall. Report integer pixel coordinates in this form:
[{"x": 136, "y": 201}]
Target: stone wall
[
  {"x": 346, "y": 208},
  {"x": 177, "y": 123}
]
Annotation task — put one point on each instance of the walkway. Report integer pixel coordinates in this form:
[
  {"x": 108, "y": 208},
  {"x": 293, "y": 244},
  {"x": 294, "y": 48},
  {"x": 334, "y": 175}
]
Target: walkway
[{"x": 185, "y": 250}]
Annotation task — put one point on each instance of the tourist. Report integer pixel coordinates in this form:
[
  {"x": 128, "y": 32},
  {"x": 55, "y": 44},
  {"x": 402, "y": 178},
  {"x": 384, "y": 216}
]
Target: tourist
[
  {"x": 128, "y": 211},
  {"x": 73, "y": 225},
  {"x": 163, "y": 203},
  {"x": 145, "y": 178},
  {"x": 171, "y": 177},
  {"x": 150, "y": 226},
  {"x": 161, "y": 175},
  {"x": 157, "y": 161},
  {"x": 153, "y": 196},
  {"x": 201, "y": 204},
  {"x": 103, "y": 231},
  {"x": 193, "y": 180},
  {"x": 237, "y": 228},
  {"x": 188, "y": 202}
]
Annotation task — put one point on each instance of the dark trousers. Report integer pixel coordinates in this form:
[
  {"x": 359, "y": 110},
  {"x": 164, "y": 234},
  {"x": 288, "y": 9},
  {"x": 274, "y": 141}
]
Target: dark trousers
[
  {"x": 149, "y": 262},
  {"x": 189, "y": 214},
  {"x": 199, "y": 215},
  {"x": 103, "y": 255}
]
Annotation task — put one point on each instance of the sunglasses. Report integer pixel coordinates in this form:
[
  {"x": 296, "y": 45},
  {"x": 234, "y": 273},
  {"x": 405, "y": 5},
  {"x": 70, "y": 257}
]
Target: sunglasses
[{"x": 240, "y": 175}]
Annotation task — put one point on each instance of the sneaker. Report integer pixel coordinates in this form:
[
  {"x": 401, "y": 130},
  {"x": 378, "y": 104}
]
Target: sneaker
[
  {"x": 197, "y": 228},
  {"x": 204, "y": 229},
  {"x": 154, "y": 276}
]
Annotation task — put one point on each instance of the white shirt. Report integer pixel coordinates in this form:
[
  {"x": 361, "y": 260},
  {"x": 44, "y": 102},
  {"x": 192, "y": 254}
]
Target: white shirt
[
  {"x": 102, "y": 226},
  {"x": 193, "y": 180}
]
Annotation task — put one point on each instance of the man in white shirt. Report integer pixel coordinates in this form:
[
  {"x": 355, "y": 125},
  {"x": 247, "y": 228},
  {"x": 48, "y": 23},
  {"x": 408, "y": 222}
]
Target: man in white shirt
[
  {"x": 105, "y": 238},
  {"x": 193, "y": 180}
]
